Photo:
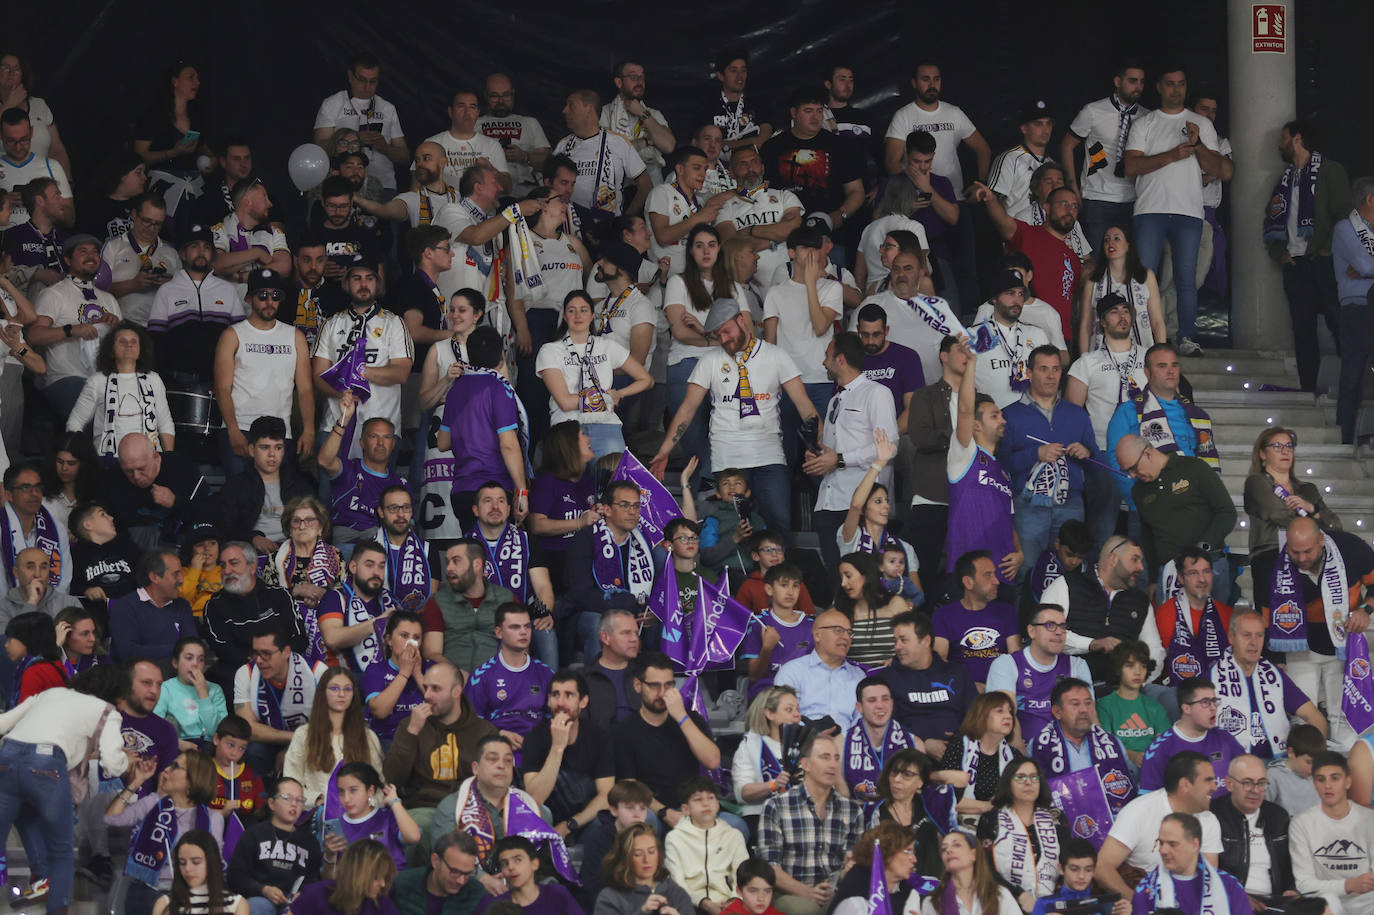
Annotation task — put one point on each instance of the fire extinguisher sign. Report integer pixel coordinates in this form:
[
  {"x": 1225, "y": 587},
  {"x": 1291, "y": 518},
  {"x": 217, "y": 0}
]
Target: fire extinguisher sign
[{"x": 1269, "y": 28}]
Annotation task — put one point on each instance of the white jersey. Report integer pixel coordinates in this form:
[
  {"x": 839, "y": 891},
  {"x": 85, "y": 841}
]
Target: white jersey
[
  {"x": 748, "y": 440},
  {"x": 1010, "y": 178},
  {"x": 1098, "y": 125},
  {"x": 423, "y": 206},
  {"x": 1035, "y": 312},
  {"x": 264, "y": 372},
  {"x": 588, "y": 370},
  {"x": 70, "y": 301},
  {"x": 1135, "y": 292},
  {"x": 376, "y": 113},
  {"x": 764, "y": 206},
  {"x": 618, "y": 316},
  {"x": 1211, "y": 191},
  {"x": 561, "y": 268},
  {"x": 948, "y": 125},
  {"x": 462, "y": 154},
  {"x": 1008, "y": 359},
  {"x": 522, "y": 131},
  {"x": 872, "y": 238},
  {"x": 1176, "y": 188},
  {"x": 474, "y": 266},
  {"x": 125, "y": 263},
  {"x": 788, "y": 303},
  {"x": 14, "y": 175},
  {"x": 675, "y": 293},
  {"x": 230, "y": 235},
  {"x": 906, "y": 327},
  {"x": 670, "y": 201},
  {"x": 605, "y": 162},
  {"x": 387, "y": 339},
  {"x": 1108, "y": 377},
  {"x": 615, "y": 118}
]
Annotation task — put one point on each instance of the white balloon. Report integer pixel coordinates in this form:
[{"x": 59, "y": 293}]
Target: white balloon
[{"x": 308, "y": 166}]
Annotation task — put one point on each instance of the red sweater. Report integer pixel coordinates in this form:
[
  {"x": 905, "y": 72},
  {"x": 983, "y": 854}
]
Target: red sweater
[
  {"x": 40, "y": 676},
  {"x": 752, "y": 595}
]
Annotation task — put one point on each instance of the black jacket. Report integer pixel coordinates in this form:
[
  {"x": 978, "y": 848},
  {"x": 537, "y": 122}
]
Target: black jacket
[
  {"x": 232, "y": 620},
  {"x": 601, "y": 710},
  {"x": 242, "y": 495},
  {"x": 1090, "y": 615},
  {"x": 1235, "y": 842}
]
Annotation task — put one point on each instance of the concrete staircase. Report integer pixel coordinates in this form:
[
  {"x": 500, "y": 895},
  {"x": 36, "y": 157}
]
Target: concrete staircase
[{"x": 1226, "y": 383}]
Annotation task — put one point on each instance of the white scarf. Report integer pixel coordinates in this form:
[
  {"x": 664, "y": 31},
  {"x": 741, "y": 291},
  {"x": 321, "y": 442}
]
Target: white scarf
[
  {"x": 147, "y": 397},
  {"x": 1331, "y": 582},
  {"x": 1362, "y": 231},
  {"x": 972, "y": 747},
  {"x": 1013, "y": 856},
  {"x": 632, "y": 128},
  {"x": 1159, "y": 883},
  {"x": 290, "y": 708},
  {"x": 1234, "y": 712}
]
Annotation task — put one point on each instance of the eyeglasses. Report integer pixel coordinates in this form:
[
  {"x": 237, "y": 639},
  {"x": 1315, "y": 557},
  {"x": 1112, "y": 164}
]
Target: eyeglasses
[
  {"x": 305, "y": 522},
  {"x": 1250, "y": 784},
  {"x": 687, "y": 538},
  {"x": 628, "y": 506},
  {"x": 26, "y": 487},
  {"x": 263, "y": 654},
  {"x": 1280, "y": 446},
  {"x": 292, "y": 799},
  {"x": 1026, "y": 778},
  {"x": 445, "y": 247},
  {"x": 263, "y": 295},
  {"x": 455, "y": 871},
  {"x": 10, "y": 68},
  {"x": 906, "y": 773},
  {"x": 1053, "y": 627},
  {"x": 1132, "y": 469},
  {"x": 150, "y": 223},
  {"x": 845, "y": 631},
  {"x": 1205, "y": 703}
]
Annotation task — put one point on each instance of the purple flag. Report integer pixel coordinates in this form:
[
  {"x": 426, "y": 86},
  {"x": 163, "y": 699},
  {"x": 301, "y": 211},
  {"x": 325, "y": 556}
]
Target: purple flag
[
  {"x": 1357, "y": 692},
  {"x": 879, "y": 902},
  {"x": 233, "y": 831},
  {"x": 693, "y": 698},
  {"x": 659, "y": 506},
  {"x": 1084, "y": 802},
  {"x": 666, "y": 604},
  {"x": 923, "y": 886},
  {"x": 939, "y": 802},
  {"x": 522, "y": 821},
  {"x": 718, "y": 629},
  {"x": 347, "y": 373}
]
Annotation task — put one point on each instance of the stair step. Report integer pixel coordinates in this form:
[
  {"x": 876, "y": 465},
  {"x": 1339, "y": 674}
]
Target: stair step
[
  {"x": 1236, "y": 430},
  {"x": 1260, "y": 413}
]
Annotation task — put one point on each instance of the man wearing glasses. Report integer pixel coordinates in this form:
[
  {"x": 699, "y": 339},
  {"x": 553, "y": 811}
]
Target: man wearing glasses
[
  {"x": 273, "y": 691},
  {"x": 260, "y": 364},
  {"x": 1195, "y": 731},
  {"x": 620, "y": 560},
  {"x": 1258, "y": 699},
  {"x": 1029, "y": 675},
  {"x": 1254, "y": 835},
  {"x": 825, "y": 680},
  {"x": 140, "y": 262},
  {"x": 447, "y": 885}
]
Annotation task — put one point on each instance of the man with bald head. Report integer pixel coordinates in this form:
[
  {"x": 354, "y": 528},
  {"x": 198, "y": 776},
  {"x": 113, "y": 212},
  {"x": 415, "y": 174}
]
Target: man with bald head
[
  {"x": 1256, "y": 698},
  {"x": 150, "y": 492},
  {"x": 1318, "y": 596},
  {"x": 1254, "y": 834},
  {"x": 520, "y": 135},
  {"x": 1182, "y": 503},
  {"x": 825, "y": 678},
  {"x": 419, "y": 206}
]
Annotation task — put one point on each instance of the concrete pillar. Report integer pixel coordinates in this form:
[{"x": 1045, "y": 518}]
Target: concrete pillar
[{"x": 1263, "y": 95}]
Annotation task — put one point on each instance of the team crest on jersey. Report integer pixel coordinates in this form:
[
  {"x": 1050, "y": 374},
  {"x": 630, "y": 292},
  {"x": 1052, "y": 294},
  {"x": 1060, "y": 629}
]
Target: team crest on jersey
[
  {"x": 1117, "y": 784},
  {"x": 1288, "y": 617},
  {"x": 980, "y": 638},
  {"x": 1027, "y": 683},
  {"x": 1187, "y": 666},
  {"x": 376, "y": 331},
  {"x": 1085, "y": 826}
]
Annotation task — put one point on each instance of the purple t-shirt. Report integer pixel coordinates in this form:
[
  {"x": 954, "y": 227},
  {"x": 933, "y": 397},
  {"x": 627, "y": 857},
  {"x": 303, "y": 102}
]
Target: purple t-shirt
[
  {"x": 30, "y": 248},
  {"x": 377, "y": 678},
  {"x": 355, "y": 492},
  {"x": 897, "y": 368},
  {"x": 976, "y": 637},
  {"x": 794, "y": 642},
  {"x": 314, "y": 900},
  {"x": 553, "y": 900},
  {"x": 479, "y": 407},
  {"x": 512, "y": 700},
  {"x": 150, "y": 735},
  {"x": 1217, "y": 745},
  {"x": 380, "y": 826},
  {"x": 936, "y": 228},
  {"x": 561, "y": 500}
]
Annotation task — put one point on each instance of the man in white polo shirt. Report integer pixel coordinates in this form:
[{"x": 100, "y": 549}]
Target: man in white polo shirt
[
  {"x": 360, "y": 108},
  {"x": 141, "y": 262},
  {"x": 745, "y": 378},
  {"x": 463, "y": 145}
]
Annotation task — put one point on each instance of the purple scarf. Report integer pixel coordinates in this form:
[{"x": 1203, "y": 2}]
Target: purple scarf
[
  {"x": 1181, "y": 662},
  {"x": 608, "y": 571},
  {"x": 868, "y": 545},
  {"x": 1051, "y": 751},
  {"x": 150, "y": 850},
  {"x": 509, "y": 565},
  {"x": 1276, "y": 216},
  {"x": 863, "y": 762},
  {"x": 1288, "y": 609},
  {"x": 474, "y": 819},
  {"x": 768, "y": 763},
  {"x": 1154, "y": 426},
  {"x": 322, "y": 571},
  {"x": 1282, "y": 494},
  {"x": 45, "y": 537},
  {"x": 407, "y": 570},
  {"x": 1047, "y": 569}
]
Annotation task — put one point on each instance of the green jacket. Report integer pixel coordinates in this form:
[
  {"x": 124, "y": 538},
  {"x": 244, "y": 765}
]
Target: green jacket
[
  {"x": 470, "y": 635},
  {"x": 1187, "y": 504},
  {"x": 411, "y": 898},
  {"x": 1330, "y": 205}
]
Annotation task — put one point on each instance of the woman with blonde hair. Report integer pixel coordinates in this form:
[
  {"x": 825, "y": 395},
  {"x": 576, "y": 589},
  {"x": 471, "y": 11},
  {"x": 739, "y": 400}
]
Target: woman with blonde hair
[
  {"x": 1274, "y": 497},
  {"x": 637, "y": 878},
  {"x": 983, "y": 749},
  {"x": 759, "y": 769},
  {"x": 306, "y": 564},
  {"x": 365, "y": 875},
  {"x": 335, "y": 733}
]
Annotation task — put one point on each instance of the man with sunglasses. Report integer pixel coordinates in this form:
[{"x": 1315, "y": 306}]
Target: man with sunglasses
[
  {"x": 1196, "y": 730},
  {"x": 259, "y": 364},
  {"x": 141, "y": 262}
]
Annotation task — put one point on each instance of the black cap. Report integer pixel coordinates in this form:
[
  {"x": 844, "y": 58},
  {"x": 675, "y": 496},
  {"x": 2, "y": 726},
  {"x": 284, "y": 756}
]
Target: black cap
[
  {"x": 202, "y": 531},
  {"x": 361, "y": 262},
  {"x": 624, "y": 256},
  {"x": 1110, "y": 301},
  {"x": 1009, "y": 279},
  {"x": 199, "y": 233},
  {"x": 1035, "y": 110},
  {"x": 267, "y": 279},
  {"x": 819, "y": 223}
]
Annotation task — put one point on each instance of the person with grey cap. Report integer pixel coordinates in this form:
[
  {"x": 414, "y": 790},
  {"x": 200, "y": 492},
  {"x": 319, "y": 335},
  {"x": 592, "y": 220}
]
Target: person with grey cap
[
  {"x": 627, "y": 316},
  {"x": 72, "y": 317},
  {"x": 189, "y": 313},
  {"x": 1004, "y": 342},
  {"x": 259, "y": 364},
  {"x": 745, "y": 378},
  {"x": 1010, "y": 175},
  {"x": 390, "y": 354}
]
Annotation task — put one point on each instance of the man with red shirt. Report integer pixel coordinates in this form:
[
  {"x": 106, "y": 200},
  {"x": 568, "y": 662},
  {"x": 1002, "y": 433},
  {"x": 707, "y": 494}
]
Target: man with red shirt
[
  {"x": 1056, "y": 264},
  {"x": 1203, "y": 630}
]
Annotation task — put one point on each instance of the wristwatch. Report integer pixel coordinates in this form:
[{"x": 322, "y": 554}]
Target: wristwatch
[
  {"x": 839, "y": 461},
  {"x": 67, "y": 329},
  {"x": 571, "y": 823}
]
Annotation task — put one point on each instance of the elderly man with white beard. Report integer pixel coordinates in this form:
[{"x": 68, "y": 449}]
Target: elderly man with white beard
[{"x": 243, "y": 608}]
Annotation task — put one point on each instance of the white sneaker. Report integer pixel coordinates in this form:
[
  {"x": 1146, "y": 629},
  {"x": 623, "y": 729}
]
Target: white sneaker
[{"x": 1186, "y": 347}]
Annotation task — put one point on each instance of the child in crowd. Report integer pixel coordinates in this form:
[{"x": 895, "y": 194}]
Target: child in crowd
[
  {"x": 517, "y": 861},
  {"x": 702, "y": 851},
  {"x": 896, "y": 579},
  {"x": 192, "y": 703},
  {"x": 725, "y": 533},
  {"x": 754, "y": 880},
  {"x": 359, "y": 786},
  {"x": 1074, "y": 542},
  {"x": 628, "y": 803},
  {"x": 767, "y": 550},
  {"x": 276, "y": 857},
  {"x": 1290, "y": 778},
  {"x": 1132, "y": 716},
  {"x": 239, "y": 787},
  {"x": 781, "y": 631},
  {"x": 200, "y": 567},
  {"x": 1077, "y": 863}
]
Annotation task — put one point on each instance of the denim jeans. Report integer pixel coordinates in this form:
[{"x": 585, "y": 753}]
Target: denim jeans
[
  {"x": 1038, "y": 525},
  {"x": 1097, "y": 215},
  {"x": 543, "y": 323},
  {"x": 1183, "y": 233},
  {"x": 1355, "y": 330},
  {"x": 771, "y": 487},
  {"x": 34, "y": 786},
  {"x": 693, "y": 441},
  {"x": 1309, "y": 284},
  {"x": 588, "y": 635},
  {"x": 544, "y": 646},
  {"x": 261, "y": 905},
  {"x": 606, "y": 438},
  {"x": 62, "y": 395}
]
